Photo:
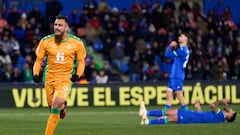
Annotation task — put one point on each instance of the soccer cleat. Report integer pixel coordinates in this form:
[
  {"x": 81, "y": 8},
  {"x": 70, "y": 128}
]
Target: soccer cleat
[
  {"x": 142, "y": 114},
  {"x": 144, "y": 121},
  {"x": 63, "y": 113},
  {"x": 142, "y": 109}
]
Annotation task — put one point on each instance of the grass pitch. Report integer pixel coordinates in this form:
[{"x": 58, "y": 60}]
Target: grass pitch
[{"x": 104, "y": 121}]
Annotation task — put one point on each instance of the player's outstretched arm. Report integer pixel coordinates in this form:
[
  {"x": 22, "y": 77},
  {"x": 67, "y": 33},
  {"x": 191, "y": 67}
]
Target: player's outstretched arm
[
  {"x": 214, "y": 105},
  {"x": 198, "y": 106}
]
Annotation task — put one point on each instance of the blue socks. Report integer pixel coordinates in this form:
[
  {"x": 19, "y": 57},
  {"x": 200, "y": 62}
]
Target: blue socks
[
  {"x": 156, "y": 113},
  {"x": 166, "y": 107},
  {"x": 184, "y": 107},
  {"x": 161, "y": 114},
  {"x": 163, "y": 120}
]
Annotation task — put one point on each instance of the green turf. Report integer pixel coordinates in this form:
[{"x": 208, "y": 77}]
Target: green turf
[{"x": 103, "y": 121}]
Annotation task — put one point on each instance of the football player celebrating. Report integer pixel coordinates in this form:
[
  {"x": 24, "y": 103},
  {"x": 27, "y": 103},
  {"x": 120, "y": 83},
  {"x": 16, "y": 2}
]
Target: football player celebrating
[{"x": 60, "y": 49}]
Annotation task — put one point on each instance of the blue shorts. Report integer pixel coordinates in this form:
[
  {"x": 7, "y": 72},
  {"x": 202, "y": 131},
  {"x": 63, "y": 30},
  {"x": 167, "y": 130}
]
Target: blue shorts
[
  {"x": 184, "y": 117},
  {"x": 175, "y": 84}
]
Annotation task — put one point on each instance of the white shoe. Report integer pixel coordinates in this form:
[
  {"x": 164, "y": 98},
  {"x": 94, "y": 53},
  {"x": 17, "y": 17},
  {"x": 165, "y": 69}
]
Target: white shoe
[
  {"x": 142, "y": 114},
  {"x": 144, "y": 120},
  {"x": 142, "y": 109}
]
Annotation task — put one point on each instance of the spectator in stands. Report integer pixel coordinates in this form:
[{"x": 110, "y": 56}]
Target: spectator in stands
[
  {"x": 162, "y": 38},
  {"x": 103, "y": 5},
  {"x": 169, "y": 6},
  {"x": 196, "y": 9},
  {"x": 145, "y": 8},
  {"x": 227, "y": 14},
  {"x": 3, "y": 8},
  {"x": 157, "y": 6},
  {"x": 115, "y": 76},
  {"x": 23, "y": 22},
  {"x": 83, "y": 18},
  {"x": 117, "y": 54},
  {"x": 90, "y": 69},
  {"x": 15, "y": 49},
  {"x": 146, "y": 71},
  {"x": 188, "y": 72},
  {"x": 17, "y": 75},
  {"x": 107, "y": 68},
  {"x": 3, "y": 23},
  {"x": 90, "y": 6},
  {"x": 5, "y": 40},
  {"x": 156, "y": 14},
  {"x": 91, "y": 34},
  {"x": 135, "y": 69},
  {"x": 108, "y": 46},
  {"x": 53, "y": 8},
  {"x": 136, "y": 10},
  {"x": 101, "y": 77},
  {"x": 4, "y": 57},
  {"x": 129, "y": 47},
  {"x": 184, "y": 5},
  {"x": 13, "y": 16},
  {"x": 73, "y": 18},
  {"x": 183, "y": 19},
  {"x": 198, "y": 70},
  {"x": 236, "y": 70},
  {"x": 225, "y": 68},
  {"x": 6, "y": 73},
  {"x": 149, "y": 55},
  {"x": 156, "y": 49},
  {"x": 201, "y": 24},
  {"x": 156, "y": 74},
  {"x": 36, "y": 14},
  {"x": 93, "y": 77},
  {"x": 95, "y": 22},
  {"x": 27, "y": 69}
]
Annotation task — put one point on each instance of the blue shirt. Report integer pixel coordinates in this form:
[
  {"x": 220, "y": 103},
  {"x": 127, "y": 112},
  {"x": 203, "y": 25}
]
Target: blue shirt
[
  {"x": 180, "y": 58},
  {"x": 188, "y": 117}
]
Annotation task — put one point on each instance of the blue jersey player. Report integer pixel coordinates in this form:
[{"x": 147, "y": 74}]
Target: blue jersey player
[
  {"x": 215, "y": 115},
  {"x": 180, "y": 56}
]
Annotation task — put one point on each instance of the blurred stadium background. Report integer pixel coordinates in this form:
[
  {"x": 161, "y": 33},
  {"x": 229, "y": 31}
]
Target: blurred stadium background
[{"x": 125, "y": 39}]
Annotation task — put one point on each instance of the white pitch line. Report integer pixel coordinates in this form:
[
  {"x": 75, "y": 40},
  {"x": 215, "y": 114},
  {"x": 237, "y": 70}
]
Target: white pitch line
[{"x": 70, "y": 113}]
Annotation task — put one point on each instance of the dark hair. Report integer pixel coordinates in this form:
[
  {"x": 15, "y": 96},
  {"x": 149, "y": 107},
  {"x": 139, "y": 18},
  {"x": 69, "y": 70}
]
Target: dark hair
[
  {"x": 186, "y": 34},
  {"x": 63, "y": 17},
  {"x": 232, "y": 118}
]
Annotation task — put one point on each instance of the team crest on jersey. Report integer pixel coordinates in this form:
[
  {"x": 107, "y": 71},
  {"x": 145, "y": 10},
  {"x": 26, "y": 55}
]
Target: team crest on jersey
[
  {"x": 54, "y": 46},
  {"x": 65, "y": 88},
  {"x": 69, "y": 46}
]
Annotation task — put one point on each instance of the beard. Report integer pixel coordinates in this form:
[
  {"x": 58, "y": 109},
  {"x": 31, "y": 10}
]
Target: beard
[{"x": 59, "y": 36}]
